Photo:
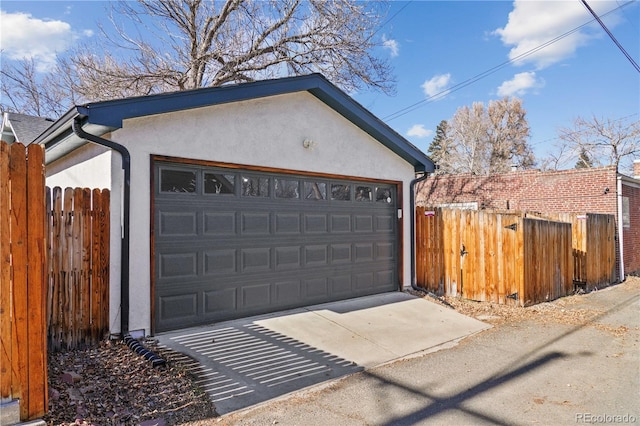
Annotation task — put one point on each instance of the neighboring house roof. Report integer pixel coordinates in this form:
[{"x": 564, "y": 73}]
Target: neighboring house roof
[
  {"x": 23, "y": 128},
  {"x": 102, "y": 117}
]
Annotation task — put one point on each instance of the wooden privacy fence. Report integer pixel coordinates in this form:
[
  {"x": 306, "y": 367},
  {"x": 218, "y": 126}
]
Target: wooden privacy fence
[
  {"x": 502, "y": 258},
  {"x": 594, "y": 247},
  {"x": 23, "y": 279},
  {"x": 78, "y": 302}
]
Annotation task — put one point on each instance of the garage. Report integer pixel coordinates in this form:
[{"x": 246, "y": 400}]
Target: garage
[
  {"x": 244, "y": 199},
  {"x": 233, "y": 242}
]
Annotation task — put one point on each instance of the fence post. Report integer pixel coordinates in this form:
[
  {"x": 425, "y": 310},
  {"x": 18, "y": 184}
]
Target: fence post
[
  {"x": 36, "y": 284},
  {"x": 5, "y": 277}
]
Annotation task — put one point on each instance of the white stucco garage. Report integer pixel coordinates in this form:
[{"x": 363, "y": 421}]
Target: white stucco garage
[{"x": 243, "y": 199}]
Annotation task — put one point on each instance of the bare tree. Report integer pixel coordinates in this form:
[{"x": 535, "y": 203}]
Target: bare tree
[
  {"x": 187, "y": 44},
  {"x": 608, "y": 142},
  {"x": 26, "y": 91},
  {"x": 488, "y": 140},
  {"x": 507, "y": 133},
  {"x": 558, "y": 159},
  {"x": 469, "y": 152}
]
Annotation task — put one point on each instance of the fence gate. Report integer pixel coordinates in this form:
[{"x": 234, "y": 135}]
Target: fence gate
[
  {"x": 78, "y": 267},
  {"x": 501, "y": 258}
]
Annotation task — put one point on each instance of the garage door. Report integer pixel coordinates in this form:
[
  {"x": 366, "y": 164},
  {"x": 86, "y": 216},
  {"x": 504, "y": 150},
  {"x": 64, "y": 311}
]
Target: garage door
[{"x": 230, "y": 242}]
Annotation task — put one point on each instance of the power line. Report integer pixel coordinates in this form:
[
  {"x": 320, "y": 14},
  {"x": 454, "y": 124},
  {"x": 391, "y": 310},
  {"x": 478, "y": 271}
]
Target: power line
[
  {"x": 488, "y": 72},
  {"x": 393, "y": 17},
  {"x": 611, "y": 36},
  {"x": 576, "y": 132}
]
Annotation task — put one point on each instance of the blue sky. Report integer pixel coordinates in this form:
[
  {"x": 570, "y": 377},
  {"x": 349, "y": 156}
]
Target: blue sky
[{"x": 458, "y": 49}]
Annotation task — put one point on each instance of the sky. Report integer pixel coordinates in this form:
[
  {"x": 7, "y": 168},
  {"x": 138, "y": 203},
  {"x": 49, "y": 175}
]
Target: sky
[{"x": 552, "y": 54}]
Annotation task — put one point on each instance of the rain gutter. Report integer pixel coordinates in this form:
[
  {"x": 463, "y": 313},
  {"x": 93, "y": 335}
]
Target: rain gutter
[
  {"x": 76, "y": 126},
  {"x": 620, "y": 228},
  {"x": 412, "y": 211}
]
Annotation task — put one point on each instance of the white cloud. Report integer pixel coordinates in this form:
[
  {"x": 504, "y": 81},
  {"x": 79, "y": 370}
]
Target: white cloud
[
  {"x": 392, "y": 45},
  {"x": 437, "y": 85},
  {"x": 520, "y": 84},
  {"x": 418, "y": 131},
  {"x": 26, "y": 37},
  {"x": 532, "y": 24}
]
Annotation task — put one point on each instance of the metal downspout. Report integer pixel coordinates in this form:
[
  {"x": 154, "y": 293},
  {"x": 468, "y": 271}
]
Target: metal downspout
[
  {"x": 620, "y": 229},
  {"x": 124, "y": 261},
  {"x": 412, "y": 208}
]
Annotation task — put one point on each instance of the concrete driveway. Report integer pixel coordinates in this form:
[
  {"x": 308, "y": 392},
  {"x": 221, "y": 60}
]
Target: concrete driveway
[
  {"x": 246, "y": 362},
  {"x": 574, "y": 361}
]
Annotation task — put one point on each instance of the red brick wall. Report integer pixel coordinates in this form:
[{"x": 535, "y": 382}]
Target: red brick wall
[
  {"x": 631, "y": 236},
  {"x": 567, "y": 191}
]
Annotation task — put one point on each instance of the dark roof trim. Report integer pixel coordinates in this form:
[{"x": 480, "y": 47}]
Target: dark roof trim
[{"x": 109, "y": 115}]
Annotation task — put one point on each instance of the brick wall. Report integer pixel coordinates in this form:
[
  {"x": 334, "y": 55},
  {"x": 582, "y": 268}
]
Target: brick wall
[
  {"x": 567, "y": 191},
  {"x": 631, "y": 236}
]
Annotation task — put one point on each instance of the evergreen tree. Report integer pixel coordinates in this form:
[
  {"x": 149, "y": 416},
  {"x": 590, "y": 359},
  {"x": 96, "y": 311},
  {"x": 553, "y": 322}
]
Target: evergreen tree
[
  {"x": 437, "y": 149},
  {"x": 584, "y": 160}
]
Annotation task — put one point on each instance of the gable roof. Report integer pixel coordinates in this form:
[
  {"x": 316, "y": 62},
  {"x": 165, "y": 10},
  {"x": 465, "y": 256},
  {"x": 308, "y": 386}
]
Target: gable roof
[
  {"x": 102, "y": 117},
  {"x": 23, "y": 128}
]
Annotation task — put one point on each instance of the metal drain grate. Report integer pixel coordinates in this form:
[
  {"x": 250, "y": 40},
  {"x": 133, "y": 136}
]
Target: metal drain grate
[{"x": 239, "y": 366}]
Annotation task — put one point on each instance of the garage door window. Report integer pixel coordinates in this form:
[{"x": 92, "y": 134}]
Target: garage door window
[
  {"x": 315, "y": 190},
  {"x": 363, "y": 193},
  {"x": 340, "y": 192},
  {"x": 255, "y": 186},
  {"x": 217, "y": 183},
  {"x": 286, "y": 188},
  {"x": 177, "y": 181},
  {"x": 383, "y": 195}
]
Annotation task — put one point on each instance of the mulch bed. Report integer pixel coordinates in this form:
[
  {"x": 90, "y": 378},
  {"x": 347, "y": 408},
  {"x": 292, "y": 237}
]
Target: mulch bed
[{"x": 113, "y": 385}]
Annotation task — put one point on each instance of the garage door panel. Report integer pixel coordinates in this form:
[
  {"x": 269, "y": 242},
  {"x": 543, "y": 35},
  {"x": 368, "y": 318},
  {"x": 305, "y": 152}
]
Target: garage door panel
[
  {"x": 363, "y": 223},
  {"x": 288, "y": 258},
  {"x": 383, "y": 279},
  {"x": 226, "y": 255},
  {"x": 177, "y": 223},
  {"x": 384, "y": 251},
  {"x": 316, "y": 288},
  {"x": 288, "y": 292},
  {"x": 178, "y": 265},
  {"x": 315, "y": 223},
  {"x": 363, "y": 281},
  {"x": 220, "y": 261},
  {"x": 219, "y": 302},
  {"x": 340, "y": 223},
  {"x": 316, "y": 255},
  {"x": 287, "y": 223},
  {"x": 364, "y": 252},
  {"x": 385, "y": 223},
  {"x": 256, "y": 223},
  {"x": 255, "y": 296},
  {"x": 340, "y": 253},
  {"x": 341, "y": 285},
  {"x": 179, "y": 306},
  {"x": 256, "y": 259},
  {"x": 219, "y": 223}
]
